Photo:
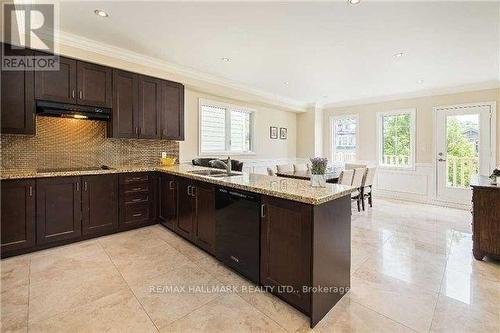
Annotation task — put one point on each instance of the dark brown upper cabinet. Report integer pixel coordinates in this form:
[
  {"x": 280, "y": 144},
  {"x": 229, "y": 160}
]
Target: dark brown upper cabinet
[
  {"x": 57, "y": 86},
  {"x": 99, "y": 204},
  {"x": 150, "y": 107},
  {"x": 94, "y": 84},
  {"x": 76, "y": 82},
  {"x": 18, "y": 215},
  {"x": 125, "y": 105},
  {"x": 172, "y": 115},
  {"x": 58, "y": 209},
  {"x": 17, "y": 99}
]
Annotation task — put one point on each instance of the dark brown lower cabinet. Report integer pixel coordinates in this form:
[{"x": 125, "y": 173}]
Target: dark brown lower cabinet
[
  {"x": 485, "y": 220},
  {"x": 137, "y": 200},
  {"x": 18, "y": 215},
  {"x": 196, "y": 213},
  {"x": 204, "y": 216},
  {"x": 58, "y": 209},
  {"x": 167, "y": 200},
  {"x": 286, "y": 249},
  {"x": 99, "y": 204}
]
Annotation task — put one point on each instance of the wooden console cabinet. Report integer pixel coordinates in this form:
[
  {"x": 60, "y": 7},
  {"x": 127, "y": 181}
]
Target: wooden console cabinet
[{"x": 485, "y": 218}]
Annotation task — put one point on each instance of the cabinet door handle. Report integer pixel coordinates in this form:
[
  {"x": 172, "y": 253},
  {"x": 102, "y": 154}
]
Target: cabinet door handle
[
  {"x": 85, "y": 186},
  {"x": 137, "y": 131},
  {"x": 73, "y": 93},
  {"x": 80, "y": 94},
  {"x": 136, "y": 200},
  {"x": 77, "y": 186},
  {"x": 189, "y": 190},
  {"x": 171, "y": 185},
  {"x": 31, "y": 191},
  {"x": 136, "y": 215},
  {"x": 193, "y": 191},
  {"x": 262, "y": 210}
]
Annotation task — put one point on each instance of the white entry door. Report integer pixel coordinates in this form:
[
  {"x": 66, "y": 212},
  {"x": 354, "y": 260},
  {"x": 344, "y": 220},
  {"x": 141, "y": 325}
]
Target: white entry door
[{"x": 465, "y": 146}]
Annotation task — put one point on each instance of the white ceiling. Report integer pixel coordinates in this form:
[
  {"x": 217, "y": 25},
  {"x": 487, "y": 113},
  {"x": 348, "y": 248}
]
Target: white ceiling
[{"x": 327, "y": 51}]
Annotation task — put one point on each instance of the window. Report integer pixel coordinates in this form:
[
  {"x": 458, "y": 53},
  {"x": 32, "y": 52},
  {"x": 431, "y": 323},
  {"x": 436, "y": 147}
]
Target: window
[
  {"x": 344, "y": 132},
  {"x": 396, "y": 138},
  {"x": 225, "y": 128}
]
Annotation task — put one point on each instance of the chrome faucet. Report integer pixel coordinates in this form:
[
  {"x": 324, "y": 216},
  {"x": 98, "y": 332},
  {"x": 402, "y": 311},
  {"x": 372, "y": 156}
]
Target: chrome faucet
[{"x": 228, "y": 165}]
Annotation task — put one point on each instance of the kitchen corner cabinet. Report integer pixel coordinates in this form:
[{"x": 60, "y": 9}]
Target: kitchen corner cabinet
[
  {"x": 196, "y": 214},
  {"x": 58, "y": 209},
  {"x": 167, "y": 200},
  {"x": 99, "y": 204},
  {"x": 18, "y": 215},
  {"x": 17, "y": 99},
  {"x": 76, "y": 82}
]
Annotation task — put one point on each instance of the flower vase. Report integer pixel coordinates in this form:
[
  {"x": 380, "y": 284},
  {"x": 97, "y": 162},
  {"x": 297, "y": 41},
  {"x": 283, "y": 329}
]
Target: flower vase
[{"x": 318, "y": 181}]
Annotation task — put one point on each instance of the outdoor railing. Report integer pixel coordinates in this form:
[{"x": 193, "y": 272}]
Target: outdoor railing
[
  {"x": 344, "y": 156},
  {"x": 396, "y": 160},
  {"x": 460, "y": 169}
]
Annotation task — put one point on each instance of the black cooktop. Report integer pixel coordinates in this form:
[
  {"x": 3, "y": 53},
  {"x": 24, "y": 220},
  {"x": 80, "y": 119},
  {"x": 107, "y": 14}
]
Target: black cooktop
[{"x": 69, "y": 169}]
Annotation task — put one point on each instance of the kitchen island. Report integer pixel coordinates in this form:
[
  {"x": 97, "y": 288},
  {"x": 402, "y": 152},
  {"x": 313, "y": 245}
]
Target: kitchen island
[{"x": 304, "y": 231}]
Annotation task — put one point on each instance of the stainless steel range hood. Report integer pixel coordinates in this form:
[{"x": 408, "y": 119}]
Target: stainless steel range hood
[{"x": 54, "y": 109}]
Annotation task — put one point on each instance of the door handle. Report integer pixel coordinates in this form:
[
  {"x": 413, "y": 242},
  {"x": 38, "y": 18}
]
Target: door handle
[
  {"x": 73, "y": 93},
  {"x": 262, "y": 212},
  {"x": 441, "y": 160},
  {"x": 193, "y": 191},
  {"x": 189, "y": 190},
  {"x": 80, "y": 94},
  {"x": 77, "y": 186},
  {"x": 85, "y": 186},
  {"x": 31, "y": 191},
  {"x": 171, "y": 185}
]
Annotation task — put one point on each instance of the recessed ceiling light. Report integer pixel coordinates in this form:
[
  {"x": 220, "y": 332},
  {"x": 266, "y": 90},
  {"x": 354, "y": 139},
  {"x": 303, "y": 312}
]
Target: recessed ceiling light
[
  {"x": 420, "y": 81},
  {"x": 353, "y": 2},
  {"x": 225, "y": 59},
  {"x": 286, "y": 83},
  {"x": 101, "y": 13},
  {"x": 398, "y": 55}
]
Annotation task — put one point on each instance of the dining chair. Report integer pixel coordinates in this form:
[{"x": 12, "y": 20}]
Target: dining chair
[
  {"x": 285, "y": 168},
  {"x": 345, "y": 177},
  {"x": 270, "y": 172},
  {"x": 300, "y": 167},
  {"x": 357, "y": 182},
  {"x": 352, "y": 166},
  {"x": 367, "y": 187}
]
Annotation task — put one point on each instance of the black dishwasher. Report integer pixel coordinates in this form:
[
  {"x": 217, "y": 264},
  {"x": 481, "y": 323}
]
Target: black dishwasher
[{"x": 238, "y": 231}]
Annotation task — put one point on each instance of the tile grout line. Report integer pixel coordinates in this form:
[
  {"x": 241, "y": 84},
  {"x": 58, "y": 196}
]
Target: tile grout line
[
  {"x": 439, "y": 293},
  {"x": 128, "y": 286}
]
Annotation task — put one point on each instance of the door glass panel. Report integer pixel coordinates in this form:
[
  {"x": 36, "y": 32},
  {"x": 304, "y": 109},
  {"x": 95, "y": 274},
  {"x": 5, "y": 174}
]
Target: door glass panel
[{"x": 462, "y": 149}]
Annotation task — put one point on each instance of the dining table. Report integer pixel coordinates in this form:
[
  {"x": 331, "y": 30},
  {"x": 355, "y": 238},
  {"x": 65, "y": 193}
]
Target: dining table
[{"x": 331, "y": 177}]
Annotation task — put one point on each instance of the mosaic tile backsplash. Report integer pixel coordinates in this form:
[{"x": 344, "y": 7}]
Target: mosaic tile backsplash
[{"x": 63, "y": 143}]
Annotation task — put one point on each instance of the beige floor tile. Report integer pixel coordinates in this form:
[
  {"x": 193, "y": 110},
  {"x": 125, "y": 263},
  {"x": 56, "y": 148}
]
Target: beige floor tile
[
  {"x": 350, "y": 317},
  {"x": 50, "y": 297},
  {"x": 417, "y": 271},
  {"x": 173, "y": 295},
  {"x": 14, "y": 322},
  {"x": 117, "y": 312},
  {"x": 180, "y": 244},
  {"x": 130, "y": 241},
  {"x": 142, "y": 263},
  {"x": 14, "y": 296},
  {"x": 410, "y": 306},
  {"x": 15, "y": 272},
  {"x": 455, "y": 316},
  {"x": 228, "y": 313}
]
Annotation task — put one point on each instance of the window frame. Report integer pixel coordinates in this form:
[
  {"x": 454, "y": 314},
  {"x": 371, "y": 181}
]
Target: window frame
[
  {"x": 229, "y": 108},
  {"x": 413, "y": 137},
  {"x": 332, "y": 135}
]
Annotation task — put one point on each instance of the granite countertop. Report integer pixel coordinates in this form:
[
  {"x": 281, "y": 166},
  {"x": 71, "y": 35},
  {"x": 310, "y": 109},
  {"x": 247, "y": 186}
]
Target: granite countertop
[
  {"x": 286, "y": 188},
  {"x": 483, "y": 181}
]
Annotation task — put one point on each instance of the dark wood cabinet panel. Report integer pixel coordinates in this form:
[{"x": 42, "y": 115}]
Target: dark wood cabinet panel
[
  {"x": 58, "y": 209},
  {"x": 204, "y": 222},
  {"x": 18, "y": 215},
  {"x": 94, "y": 84},
  {"x": 486, "y": 222},
  {"x": 172, "y": 114},
  {"x": 99, "y": 204},
  {"x": 57, "y": 86},
  {"x": 185, "y": 216},
  {"x": 125, "y": 104},
  {"x": 138, "y": 194},
  {"x": 286, "y": 249},
  {"x": 17, "y": 99},
  {"x": 167, "y": 200},
  {"x": 149, "y": 107}
]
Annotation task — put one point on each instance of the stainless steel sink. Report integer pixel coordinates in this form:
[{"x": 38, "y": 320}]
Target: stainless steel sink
[{"x": 213, "y": 173}]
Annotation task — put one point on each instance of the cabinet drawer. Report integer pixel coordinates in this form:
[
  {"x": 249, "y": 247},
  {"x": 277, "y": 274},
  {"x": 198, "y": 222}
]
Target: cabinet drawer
[
  {"x": 136, "y": 212},
  {"x": 136, "y": 197},
  {"x": 134, "y": 178},
  {"x": 135, "y": 188}
]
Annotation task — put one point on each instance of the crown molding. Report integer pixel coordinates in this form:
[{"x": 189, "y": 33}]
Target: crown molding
[
  {"x": 97, "y": 47},
  {"x": 416, "y": 94}
]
